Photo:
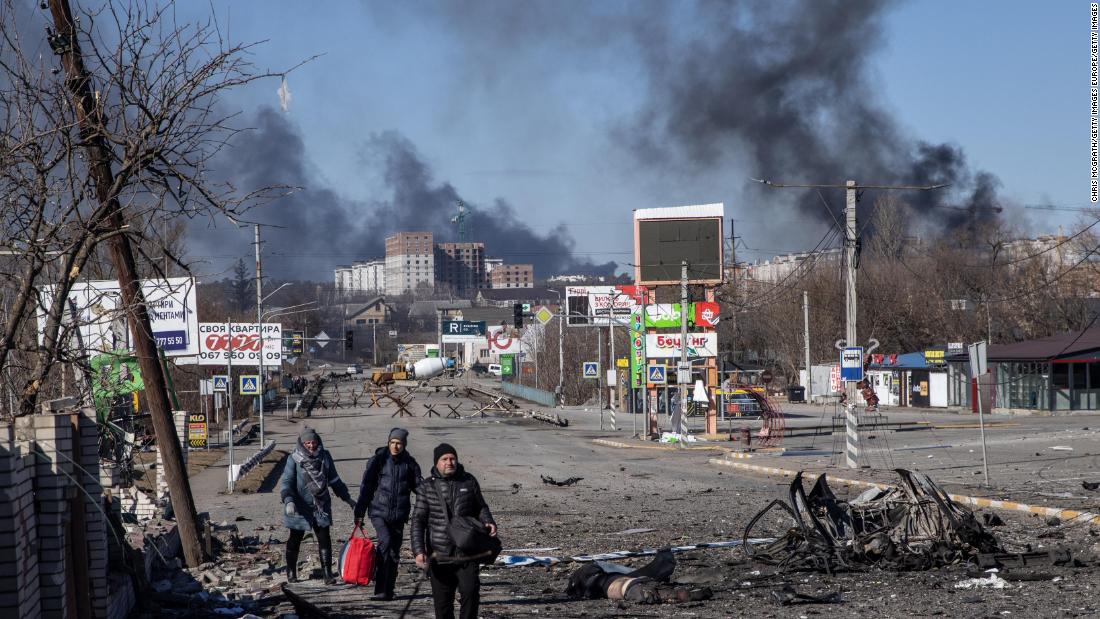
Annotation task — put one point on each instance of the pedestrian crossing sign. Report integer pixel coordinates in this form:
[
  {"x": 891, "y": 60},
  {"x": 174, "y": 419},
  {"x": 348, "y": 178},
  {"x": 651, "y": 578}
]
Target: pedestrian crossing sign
[
  {"x": 221, "y": 383},
  {"x": 656, "y": 374},
  {"x": 591, "y": 369},
  {"x": 250, "y": 384}
]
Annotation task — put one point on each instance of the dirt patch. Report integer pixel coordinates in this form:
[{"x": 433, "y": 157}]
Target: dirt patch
[
  {"x": 262, "y": 478},
  {"x": 145, "y": 469}
]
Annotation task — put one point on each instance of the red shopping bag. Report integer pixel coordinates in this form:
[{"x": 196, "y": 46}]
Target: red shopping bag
[{"x": 357, "y": 559}]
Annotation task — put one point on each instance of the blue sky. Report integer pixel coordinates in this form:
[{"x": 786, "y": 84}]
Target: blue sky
[{"x": 530, "y": 102}]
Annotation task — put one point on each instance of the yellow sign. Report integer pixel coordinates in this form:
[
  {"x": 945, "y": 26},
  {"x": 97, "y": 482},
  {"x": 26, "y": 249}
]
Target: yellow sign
[
  {"x": 934, "y": 357},
  {"x": 622, "y": 363}
]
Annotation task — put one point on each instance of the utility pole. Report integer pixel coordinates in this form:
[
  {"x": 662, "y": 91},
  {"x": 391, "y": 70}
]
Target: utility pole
[
  {"x": 260, "y": 326},
  {"x": 91, "y": 124},
  {"x": 611, "y": 361},
  {"x": 806, "y": 339},
  {"x": 852, "y": 445},
  {"x": 561, "y": 355},
  {"x": 851, "y": 241},
  {"x": 684, "y": 366},
  {"x": 229, "y": 397}
]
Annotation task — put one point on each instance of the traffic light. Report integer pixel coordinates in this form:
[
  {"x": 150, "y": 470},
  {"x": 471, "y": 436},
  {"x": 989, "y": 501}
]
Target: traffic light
[
  {"x": 349, "y": 340},
  {"x": 517, "y": 315}
]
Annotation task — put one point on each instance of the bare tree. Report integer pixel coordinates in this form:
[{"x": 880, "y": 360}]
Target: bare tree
[{"x": 157, "y": 87}]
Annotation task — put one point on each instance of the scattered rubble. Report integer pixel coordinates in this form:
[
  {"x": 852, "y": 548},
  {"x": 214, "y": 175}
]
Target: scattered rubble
[
  {"x": 788, "y": 596},
  {"x": 550, "y": 481}
]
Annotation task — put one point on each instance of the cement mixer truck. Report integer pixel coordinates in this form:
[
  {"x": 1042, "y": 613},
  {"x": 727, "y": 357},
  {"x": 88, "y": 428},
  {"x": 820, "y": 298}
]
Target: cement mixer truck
[{"x": 430, "y": 367}]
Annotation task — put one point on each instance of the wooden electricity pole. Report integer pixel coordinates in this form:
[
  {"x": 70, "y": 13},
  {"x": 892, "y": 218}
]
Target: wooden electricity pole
[{"x": 89, "y": 117}]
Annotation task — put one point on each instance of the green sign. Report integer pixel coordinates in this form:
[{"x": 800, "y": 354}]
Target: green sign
[
  {"x": 637, "y": 350},
  {"x": 667, "y": 315},
  {"x": 507, "y": 365}
]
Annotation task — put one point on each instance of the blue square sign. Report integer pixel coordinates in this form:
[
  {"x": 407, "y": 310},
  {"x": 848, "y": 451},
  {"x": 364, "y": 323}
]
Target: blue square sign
[
  {"x": 656, "y": 374},
  {"x": 851, "y": 364},
  {"x": 591, "y": 369},
  {"x": 250, "y": 384},
  {"x": 221, "y": 383}
]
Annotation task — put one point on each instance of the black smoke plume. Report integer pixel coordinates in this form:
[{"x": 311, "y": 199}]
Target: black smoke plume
[
  {"x": 314, "y": 229},
  {"x": 788, "y": 85}
]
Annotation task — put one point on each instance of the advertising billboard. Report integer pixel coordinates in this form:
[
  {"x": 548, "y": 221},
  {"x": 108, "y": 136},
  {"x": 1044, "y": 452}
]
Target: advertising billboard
[
  {"x": 597, "y": 306},
  {"x": 248, "y": 347},
  {"x": 101, "y": 317},
  {"x": 458, "y": 331},
  {"x": 666, "y": 237},
  {"x": 662, "y": 346}
]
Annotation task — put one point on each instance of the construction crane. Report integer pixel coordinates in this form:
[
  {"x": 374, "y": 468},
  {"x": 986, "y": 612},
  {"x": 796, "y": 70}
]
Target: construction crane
[{"x": 460, "y": 219}]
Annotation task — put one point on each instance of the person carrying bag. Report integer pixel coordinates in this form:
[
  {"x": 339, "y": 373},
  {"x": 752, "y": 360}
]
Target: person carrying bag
[{"x": 452, "y": 532}]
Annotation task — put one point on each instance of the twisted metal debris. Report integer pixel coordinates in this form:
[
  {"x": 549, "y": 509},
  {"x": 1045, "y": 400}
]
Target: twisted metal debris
[{"x": 911, "y": 526}]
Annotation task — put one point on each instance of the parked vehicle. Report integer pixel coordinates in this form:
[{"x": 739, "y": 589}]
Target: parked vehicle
[
  {"x": 355, "y": 368},
  {"x": 494, "y": 369}
]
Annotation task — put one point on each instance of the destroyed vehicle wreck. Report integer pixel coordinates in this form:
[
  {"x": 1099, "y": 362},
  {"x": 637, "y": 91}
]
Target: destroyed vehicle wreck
[{"x": 913, "y": 526}]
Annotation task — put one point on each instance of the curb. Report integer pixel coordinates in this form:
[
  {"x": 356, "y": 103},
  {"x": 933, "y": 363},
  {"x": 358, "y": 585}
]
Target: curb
[
  {"x": 1064, "y": 514},
  {"x": 619, "y": 445}
]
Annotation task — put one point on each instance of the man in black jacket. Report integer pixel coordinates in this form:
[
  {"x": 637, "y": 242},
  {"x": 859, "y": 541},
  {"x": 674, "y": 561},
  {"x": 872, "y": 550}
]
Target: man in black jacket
[
  {"x": 390, "y": 477},
  {"x": 449, "y": 486}
]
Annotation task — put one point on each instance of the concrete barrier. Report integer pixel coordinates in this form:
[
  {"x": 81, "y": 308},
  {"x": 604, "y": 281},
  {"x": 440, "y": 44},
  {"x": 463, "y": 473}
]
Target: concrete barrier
[{"x": 240, "y": 470}]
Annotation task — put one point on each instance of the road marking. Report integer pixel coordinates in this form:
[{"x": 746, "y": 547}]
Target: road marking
[
  {"x": 1064, "y": 514},
  {"x": 618, "y": 445}
]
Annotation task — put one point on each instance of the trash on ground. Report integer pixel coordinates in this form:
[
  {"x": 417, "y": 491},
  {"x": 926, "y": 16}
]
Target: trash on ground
[
  {"x": 550, "y": 481},
  {"x": 787, "y": 596},
  {"x": 993, "y": 581},
  {"x": 510, "y": 560},
  {"x": 674, "y": 437},
  {"x": 1090, "y": 485},
  {"x": 1061, "y": 448},
  {"x": 912, "y": 526}
]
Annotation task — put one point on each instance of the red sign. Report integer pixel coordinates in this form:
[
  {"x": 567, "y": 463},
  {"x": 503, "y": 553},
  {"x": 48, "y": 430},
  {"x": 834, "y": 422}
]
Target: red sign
[
  {"x": 241, "y": 342},
  {"x": 706, "y": 314}
]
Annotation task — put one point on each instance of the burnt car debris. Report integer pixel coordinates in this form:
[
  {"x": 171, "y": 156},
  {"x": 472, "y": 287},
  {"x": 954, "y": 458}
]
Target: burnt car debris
[{"x": 911, "y": 526}]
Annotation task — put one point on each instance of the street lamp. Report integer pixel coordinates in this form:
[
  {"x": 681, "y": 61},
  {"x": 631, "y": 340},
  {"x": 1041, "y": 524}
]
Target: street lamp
[
  {"x": 561, "y": 353},
  {"x": 260, "y": 325}
]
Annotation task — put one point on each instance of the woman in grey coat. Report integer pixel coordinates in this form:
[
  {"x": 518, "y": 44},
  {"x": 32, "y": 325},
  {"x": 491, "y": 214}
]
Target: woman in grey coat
[{"x": 307, "y": 504}]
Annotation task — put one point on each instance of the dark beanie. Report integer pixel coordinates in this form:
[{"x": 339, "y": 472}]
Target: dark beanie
[
  {"x": 309, "y": 434},
  {"x": 400, "y": 434},
  {"x": 443, "y": 449}
]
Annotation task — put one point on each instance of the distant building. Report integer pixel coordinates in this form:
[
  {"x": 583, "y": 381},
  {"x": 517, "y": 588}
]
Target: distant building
[
  {"x": 410, "y": 262},
  {"x": 373, "y": 312},
  {"x": 783, "y": 267},
  {"x": 460, "y": 266},
  {"x": 367, "y": 276},
  {"x": 512, "y": 276}
]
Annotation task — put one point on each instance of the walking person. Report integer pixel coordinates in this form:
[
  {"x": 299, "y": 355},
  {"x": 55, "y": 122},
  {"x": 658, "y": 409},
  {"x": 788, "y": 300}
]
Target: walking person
[
  {"x": 307, "y": 504},
  {"x": 449, "y": 492},
  {"x": 389, "y": 479}
]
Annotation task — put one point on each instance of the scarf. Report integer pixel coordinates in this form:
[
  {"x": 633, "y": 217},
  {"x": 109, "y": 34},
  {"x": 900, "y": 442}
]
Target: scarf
[{"x": 314, "y": 466}]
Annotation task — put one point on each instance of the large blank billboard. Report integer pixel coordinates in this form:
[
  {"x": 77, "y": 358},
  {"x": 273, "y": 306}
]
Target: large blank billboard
[{"x": 663, "y": 244}]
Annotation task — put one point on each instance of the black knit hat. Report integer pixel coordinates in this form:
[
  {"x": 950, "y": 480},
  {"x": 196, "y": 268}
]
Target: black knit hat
[
  {"x": 309, "y": 434},
  {"x": 443, "y": 449}
]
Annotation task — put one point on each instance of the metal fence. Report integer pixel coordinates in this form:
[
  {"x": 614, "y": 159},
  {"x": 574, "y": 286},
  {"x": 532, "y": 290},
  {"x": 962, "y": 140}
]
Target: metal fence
[{"x": 537, "y": 396}]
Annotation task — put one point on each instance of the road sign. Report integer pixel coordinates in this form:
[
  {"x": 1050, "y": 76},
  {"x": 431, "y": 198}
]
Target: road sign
[
  {"x": 591, "y": 369},
  {"x": 250, "y": 384},
  {"x": 322, "y": 339},
  {"x": 221, "y": 383},
  {"x": 393, "y": 332},
  {"x": 526, "y": 308},
  {"x": 656, "y": 374},
  {"x": 507, "y": 365},
  {"x": 851, "y": 364},
  {"x": 544, "y": 315},
  {"x": 977, "y": 359}
]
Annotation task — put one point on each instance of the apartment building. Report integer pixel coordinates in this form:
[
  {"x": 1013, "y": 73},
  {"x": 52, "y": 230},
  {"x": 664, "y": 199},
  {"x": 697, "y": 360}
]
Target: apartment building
[
  {"x": 512, "y": 276},
  {"x": 410, "y": 262},
  {"x": 460, "y": 266}
]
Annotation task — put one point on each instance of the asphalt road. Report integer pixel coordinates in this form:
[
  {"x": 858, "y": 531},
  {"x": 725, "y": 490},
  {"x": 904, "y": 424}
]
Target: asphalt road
[{"x": 684, "y": 501}]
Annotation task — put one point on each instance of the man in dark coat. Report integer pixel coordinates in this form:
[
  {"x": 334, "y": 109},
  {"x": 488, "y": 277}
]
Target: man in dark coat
[
  {"x": 388, "y": 481},
  {"x": 448, "y": 487}
]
